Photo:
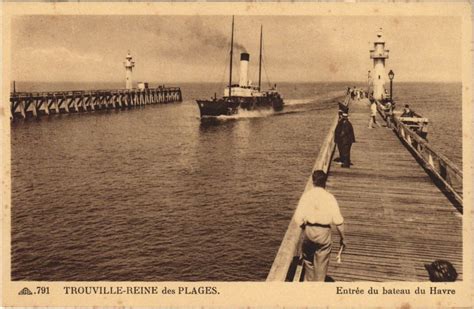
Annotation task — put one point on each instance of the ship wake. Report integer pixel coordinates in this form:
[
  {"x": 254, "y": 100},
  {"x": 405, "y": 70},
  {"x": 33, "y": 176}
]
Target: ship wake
[
  {"x": 315, "y": 99},
  {"x": 294, "y": 105},
  {"x": 242, "y": 114}
]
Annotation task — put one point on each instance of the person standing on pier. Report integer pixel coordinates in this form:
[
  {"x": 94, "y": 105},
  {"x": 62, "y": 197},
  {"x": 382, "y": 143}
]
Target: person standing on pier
[
  {"x": 344, "y": 138},
  {"x": 365, "y": 99},
  {"x": 388, "y": 110},
  {"x": 373, "y": 113},
  {"x": 344, "y": 105},
  {"x": 317, "y": 210}
]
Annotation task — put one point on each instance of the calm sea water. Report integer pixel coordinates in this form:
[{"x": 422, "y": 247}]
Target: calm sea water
[
  {"x": 151, "y": 194},
  {"x": 441, "y": 104}
]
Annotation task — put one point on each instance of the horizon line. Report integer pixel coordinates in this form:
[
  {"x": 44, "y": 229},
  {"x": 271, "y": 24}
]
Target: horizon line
[{"x": 219, "y": 82}]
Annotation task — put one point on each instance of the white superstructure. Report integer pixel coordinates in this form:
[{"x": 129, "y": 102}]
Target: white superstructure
[
  {"x": 379, "y": 54},
  {"x": 244, "y": 88}
]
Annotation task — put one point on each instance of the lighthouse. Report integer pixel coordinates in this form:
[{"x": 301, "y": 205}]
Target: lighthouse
[
  {"x": 379, "y": 54},
  {"x": 129, "y": 64}
]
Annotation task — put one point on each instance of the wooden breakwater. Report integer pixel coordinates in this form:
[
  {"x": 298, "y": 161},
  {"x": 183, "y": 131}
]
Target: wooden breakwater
[
  {"x": 396, "y": 205},
  {"x": 35, "y": 104}
]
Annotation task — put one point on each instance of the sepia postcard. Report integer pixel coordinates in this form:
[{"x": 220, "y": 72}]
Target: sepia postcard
[{"x": 237, "y": 154}]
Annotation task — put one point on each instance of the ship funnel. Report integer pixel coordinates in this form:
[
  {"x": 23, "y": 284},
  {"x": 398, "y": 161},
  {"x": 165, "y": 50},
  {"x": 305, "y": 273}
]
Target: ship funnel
[{"x": 244, "y": 68}]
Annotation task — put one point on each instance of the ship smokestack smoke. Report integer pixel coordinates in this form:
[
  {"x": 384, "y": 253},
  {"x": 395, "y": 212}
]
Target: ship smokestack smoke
[
  {"x": 210, "y": 37},
  {"x": 244, "y": 69}
]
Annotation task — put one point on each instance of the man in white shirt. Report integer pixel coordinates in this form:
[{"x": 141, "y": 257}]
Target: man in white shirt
[{"x": 316, "y": 211}]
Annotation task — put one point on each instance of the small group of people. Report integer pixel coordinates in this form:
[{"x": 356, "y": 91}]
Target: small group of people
[
  {"x": 352, "y": 94},
  {"x": 388, "y": 110},
  {"x": 355, "y": 93}
]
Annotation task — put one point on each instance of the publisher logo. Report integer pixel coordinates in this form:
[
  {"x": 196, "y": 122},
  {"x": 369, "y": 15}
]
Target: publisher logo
[{"x": 25, "y": 291}]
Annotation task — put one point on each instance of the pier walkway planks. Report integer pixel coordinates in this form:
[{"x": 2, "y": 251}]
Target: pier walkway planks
[{"x": 396, "y": 219}]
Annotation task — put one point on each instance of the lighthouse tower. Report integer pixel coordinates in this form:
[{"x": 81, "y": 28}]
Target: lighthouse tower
[
  {"x": 379, "y": 54},
  {"x": 129, "y": 64}
]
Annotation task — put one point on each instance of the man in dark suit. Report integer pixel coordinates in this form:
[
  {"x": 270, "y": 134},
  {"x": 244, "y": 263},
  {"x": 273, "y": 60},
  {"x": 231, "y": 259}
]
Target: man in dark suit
[{"x": 344, "y": 137}]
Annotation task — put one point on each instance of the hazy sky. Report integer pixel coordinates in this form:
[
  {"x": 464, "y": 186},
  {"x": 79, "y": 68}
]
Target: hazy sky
[{"x": 195, "y": 48}]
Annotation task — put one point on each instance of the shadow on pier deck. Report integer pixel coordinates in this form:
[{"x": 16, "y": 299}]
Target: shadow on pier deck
[{"x": 396, "y": 218}]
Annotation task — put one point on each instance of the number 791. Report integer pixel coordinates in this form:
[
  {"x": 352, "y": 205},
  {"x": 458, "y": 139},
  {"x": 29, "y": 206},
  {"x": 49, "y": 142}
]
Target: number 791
[{"x": 42, "y": 290}]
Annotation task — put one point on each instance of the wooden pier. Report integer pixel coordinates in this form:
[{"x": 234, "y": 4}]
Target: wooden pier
[
  {"x": 34, "y": 104},
  {"x": 401, "y": 202}
]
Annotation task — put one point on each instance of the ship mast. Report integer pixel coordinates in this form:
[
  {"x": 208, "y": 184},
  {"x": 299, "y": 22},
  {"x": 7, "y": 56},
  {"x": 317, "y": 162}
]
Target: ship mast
[
  {"x": 260, "y": 61},
  {"x": 231, "y": 54}
]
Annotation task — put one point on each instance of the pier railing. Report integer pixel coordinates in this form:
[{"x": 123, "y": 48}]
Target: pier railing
[
  {"x": 284, "y": 267},
  {"x": 440, "y": 166},
  {"x": 25, "y": 104},
  {"x": 443, "y": 169}
]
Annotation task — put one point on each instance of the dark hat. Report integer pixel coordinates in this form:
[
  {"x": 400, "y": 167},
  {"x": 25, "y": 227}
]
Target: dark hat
[
  {"x": 441, "y": 271},
  {"x": 319, "y": 178}
]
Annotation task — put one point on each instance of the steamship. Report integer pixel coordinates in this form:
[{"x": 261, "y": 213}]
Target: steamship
[{"x": 242, "y": 96}]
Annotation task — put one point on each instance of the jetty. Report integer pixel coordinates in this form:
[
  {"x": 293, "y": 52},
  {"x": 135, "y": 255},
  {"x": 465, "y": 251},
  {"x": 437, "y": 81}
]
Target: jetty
[
  {"x": 401, "y": 202},
  {"x": 35, "y": 104}
]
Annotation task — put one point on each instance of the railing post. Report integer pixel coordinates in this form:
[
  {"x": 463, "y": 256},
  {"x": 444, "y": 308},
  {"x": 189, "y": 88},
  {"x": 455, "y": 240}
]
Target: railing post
[{"x": 430, "y": 160}]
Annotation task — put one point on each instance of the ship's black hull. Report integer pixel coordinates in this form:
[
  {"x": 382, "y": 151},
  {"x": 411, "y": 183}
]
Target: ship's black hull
[{"x": 226, "y": 106}]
